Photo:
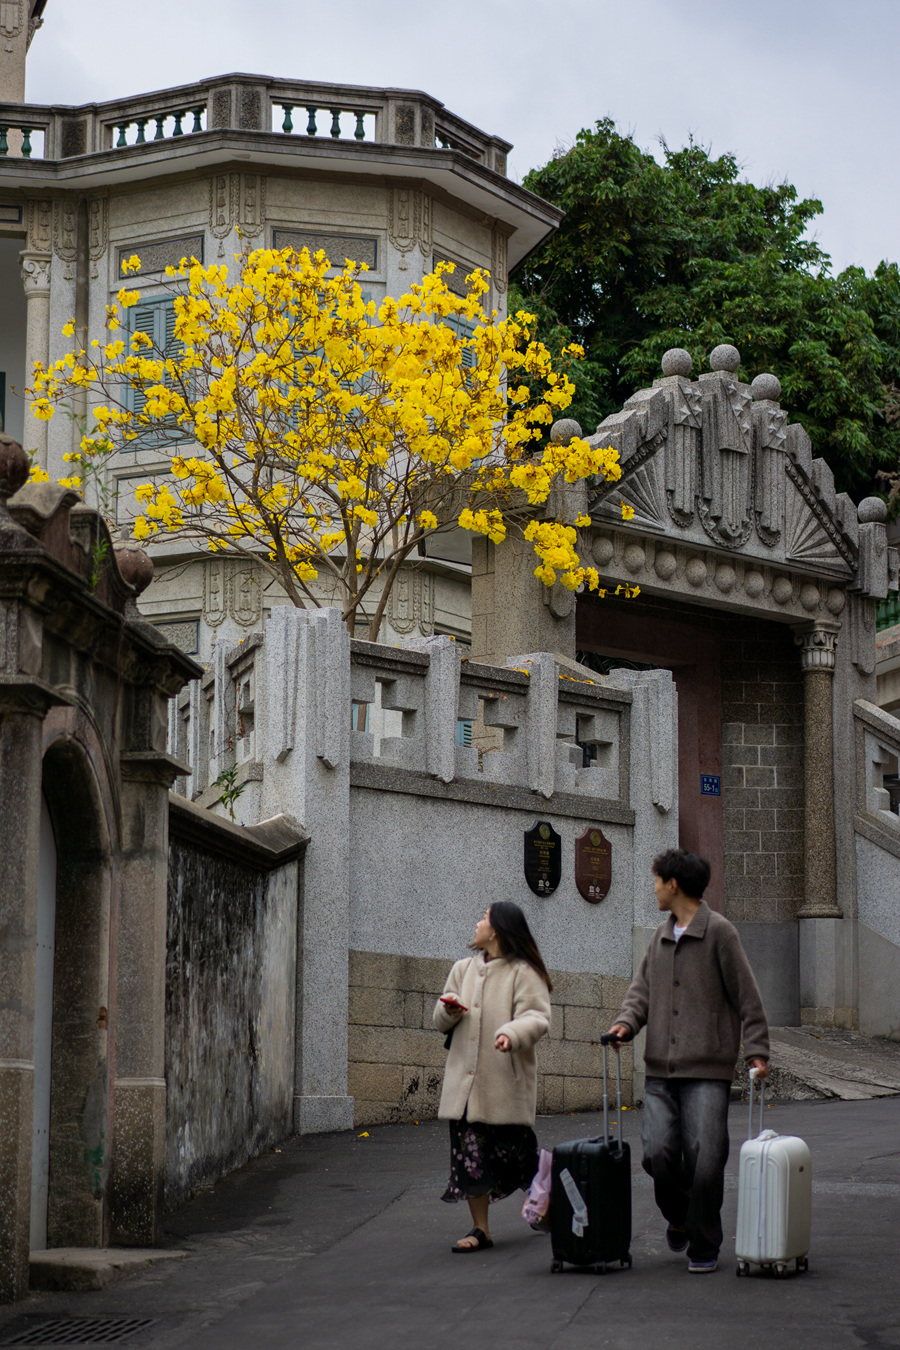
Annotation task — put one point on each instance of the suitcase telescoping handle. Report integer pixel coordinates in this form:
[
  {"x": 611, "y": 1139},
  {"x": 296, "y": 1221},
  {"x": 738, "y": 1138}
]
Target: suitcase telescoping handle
[
  {"x": 606, "y": 1040},
  {"x": 754, "y": 1074}
]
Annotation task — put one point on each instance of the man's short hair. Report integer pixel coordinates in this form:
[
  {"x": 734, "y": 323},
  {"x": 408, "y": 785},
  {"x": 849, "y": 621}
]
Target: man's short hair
[{"x": 689, "y": 870}]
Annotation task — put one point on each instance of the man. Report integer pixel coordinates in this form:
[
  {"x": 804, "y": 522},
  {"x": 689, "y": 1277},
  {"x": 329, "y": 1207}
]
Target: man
[{"x": 694, "y": 992}]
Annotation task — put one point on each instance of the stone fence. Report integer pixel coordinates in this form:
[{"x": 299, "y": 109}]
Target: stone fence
[
  {"x": 877, "y": 842},
  {"x": 416, "y": 774}
]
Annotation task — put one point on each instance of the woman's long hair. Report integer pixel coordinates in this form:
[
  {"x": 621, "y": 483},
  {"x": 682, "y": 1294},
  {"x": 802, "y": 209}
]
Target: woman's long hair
[{"x": 515, "y": 937}]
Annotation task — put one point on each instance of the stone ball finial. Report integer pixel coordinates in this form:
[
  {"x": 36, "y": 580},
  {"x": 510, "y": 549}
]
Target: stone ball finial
[
  {"x": 14, "y": 467},
  {"x": 871, "y": 510},
  {"x": 766, "y": 386},
  {"x": 676, "y": 361},
  {"x": 562, "y": 432},
  {"x": 135, "y": 566},
  {"x": 724, "y": 357}
]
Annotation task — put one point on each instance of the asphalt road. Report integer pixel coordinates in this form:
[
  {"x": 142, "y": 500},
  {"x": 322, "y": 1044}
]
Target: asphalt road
[{"x": 342, "y": 1242}]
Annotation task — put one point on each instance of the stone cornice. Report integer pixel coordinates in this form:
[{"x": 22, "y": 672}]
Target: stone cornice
[{"x": 743, "y": 583}]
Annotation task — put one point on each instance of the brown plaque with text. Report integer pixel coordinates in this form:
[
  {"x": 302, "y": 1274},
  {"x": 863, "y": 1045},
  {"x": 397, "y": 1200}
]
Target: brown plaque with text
[{"x": 593, "y": 864}]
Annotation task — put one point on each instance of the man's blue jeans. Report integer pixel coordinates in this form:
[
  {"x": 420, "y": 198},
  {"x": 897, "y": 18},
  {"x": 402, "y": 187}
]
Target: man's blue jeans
[{"x": 685, "y": 1136}]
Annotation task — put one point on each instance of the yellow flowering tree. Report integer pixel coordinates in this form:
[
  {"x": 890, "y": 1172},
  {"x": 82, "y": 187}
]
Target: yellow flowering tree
[{"x": 329, "y": 436}]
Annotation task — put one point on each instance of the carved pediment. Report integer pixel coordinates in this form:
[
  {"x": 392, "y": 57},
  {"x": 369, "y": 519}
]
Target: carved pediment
[{"x": 715, "y": 462}]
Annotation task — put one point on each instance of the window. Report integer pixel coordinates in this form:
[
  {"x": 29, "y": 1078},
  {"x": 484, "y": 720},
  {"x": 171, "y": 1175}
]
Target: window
[
  {"x": 463, "y": 732},
  {"x": 156, "y": 318}
]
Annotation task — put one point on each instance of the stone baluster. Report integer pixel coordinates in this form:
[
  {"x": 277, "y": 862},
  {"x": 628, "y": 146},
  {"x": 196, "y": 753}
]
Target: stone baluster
[
  {"x": 817, "y": 643},
  {"x": 36, "y": 280}
]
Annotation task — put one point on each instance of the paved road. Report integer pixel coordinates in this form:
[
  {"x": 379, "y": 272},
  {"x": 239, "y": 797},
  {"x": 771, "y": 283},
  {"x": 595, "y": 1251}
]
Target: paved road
[{"x": 341, "y": 1242}]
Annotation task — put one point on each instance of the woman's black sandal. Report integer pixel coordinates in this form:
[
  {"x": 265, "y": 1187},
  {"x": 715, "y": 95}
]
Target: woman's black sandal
[{"x": 482, "y": 1242}]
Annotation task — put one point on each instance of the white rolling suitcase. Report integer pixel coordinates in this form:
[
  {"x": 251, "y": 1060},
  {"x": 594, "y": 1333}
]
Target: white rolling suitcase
[{"x": 774, "y": 1198}]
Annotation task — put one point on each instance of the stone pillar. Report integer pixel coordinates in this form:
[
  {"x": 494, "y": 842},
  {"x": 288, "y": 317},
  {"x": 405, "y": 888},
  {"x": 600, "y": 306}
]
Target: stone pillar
[
  {"x": 817, "y": 642},
  {"x": 20, "y": 828},
  {"x": 823, "y": 932},
  {"x": 139, "y": 1094},
  {"x": 36, "y": 280},
  {"x": 307, "y": 695},
  {"x": 23, "y": 704}
]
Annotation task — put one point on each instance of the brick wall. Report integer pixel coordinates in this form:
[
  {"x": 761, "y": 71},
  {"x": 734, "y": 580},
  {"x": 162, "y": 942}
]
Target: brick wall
[
  {"x": 396, "y": 1058},
  {"x": 762, "y": 771}
]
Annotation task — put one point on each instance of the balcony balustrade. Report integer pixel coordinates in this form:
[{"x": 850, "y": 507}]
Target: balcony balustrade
[{"x": 345, "y": 114}]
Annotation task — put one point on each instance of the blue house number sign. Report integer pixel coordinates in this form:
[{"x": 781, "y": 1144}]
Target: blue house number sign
[{"x": 710, "y": 785}]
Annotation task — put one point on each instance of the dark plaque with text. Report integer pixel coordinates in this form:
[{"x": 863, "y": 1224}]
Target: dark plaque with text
[
  {"x": 593, "y": 864},
  {"x": 543, "y": 858}
]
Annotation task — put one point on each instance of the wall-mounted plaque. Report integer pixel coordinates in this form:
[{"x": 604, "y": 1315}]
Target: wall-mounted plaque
[
  {"x": 593, "y": 865},
  {"x": 543, "y": 858}
]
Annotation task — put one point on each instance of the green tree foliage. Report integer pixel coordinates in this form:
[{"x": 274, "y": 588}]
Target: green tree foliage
[{"x": 685, "y": 253}]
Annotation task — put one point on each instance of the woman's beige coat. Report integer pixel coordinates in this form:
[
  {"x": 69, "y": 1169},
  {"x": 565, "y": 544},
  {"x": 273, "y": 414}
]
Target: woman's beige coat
[{"x": 504, "y": 995}]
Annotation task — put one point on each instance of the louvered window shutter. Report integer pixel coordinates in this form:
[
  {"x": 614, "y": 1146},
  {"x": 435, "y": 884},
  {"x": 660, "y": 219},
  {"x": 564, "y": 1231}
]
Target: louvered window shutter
[{"x": 143, "y": 320}]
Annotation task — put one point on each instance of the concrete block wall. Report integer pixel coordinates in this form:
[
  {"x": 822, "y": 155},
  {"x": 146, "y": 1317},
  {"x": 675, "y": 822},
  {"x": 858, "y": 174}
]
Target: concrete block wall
[
  {"x": 762, "y": 772},
  {"x": 396, "y": 1058}
]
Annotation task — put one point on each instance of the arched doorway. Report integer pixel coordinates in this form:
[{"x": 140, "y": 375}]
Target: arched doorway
[{"x": 73, "y": 987}]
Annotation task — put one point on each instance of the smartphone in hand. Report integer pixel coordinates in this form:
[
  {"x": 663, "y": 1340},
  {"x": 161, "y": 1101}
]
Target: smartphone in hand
[{"x": 451, "y": 1002}]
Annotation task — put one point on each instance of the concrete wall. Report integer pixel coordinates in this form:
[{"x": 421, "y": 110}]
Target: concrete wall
[
  {"x": 230, "y": 1003},
  {"x": 877, "y": 847},
  {"x": 412, "y": 836}
]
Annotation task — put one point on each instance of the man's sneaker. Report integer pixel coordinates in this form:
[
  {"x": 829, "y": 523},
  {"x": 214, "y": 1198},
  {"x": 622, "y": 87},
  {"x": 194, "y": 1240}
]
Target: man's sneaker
[
  {"x": 702, "y": 1267},
  {"x": 677, "y": 1239}
]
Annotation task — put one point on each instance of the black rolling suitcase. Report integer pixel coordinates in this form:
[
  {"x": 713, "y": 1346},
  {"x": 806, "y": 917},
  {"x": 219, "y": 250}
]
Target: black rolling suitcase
[{"x": 590, "y": 1197}]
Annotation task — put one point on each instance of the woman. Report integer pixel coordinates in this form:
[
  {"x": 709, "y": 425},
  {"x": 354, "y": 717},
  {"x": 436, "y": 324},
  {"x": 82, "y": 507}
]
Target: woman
[{"x": 496, "y": 1004}]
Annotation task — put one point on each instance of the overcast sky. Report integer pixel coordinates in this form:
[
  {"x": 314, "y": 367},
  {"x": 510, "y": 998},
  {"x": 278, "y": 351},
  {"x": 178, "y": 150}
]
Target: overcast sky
[{"x": 804, "y": 90}]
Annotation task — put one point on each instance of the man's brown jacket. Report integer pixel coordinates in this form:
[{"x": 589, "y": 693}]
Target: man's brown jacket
[{"x": 693, "y": 996}]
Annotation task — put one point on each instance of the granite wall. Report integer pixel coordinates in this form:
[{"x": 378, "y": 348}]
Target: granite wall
[
  {"x": 230, "y": 999},
  {"x": 397, "y": 1057}
]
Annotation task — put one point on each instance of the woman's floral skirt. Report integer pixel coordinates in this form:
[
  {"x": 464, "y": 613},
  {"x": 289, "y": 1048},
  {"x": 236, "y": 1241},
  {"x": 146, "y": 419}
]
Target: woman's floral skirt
[{"x": 490, "y": 1160}]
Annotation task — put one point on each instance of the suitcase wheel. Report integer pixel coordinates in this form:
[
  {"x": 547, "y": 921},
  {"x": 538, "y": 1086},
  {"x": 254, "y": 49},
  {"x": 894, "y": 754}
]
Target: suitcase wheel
[
  {"x": 555, "y": 1267},
  {"x": 803, "y": 1263},
  {"x": 780, "y": 1270},
  {"x": 741, "y": 1268},
  {"x": 601, "y": 1269},
  {"x": 626, "y": 1261}
]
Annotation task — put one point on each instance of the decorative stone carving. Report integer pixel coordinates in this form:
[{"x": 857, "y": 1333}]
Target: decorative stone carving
[
  {"x": 817, "y": 643},
  {"x": 158, "y": 254},
  {"x": 736, "y": 473},
  {"x": 215, "y": 599},
  {"x": 245, "y": 594},
  {"x": 223, "y": 193},
  {"x": 410, "y": 605},
  {"x": 337, "y": 247},
  {"x": 564, "y": 430},
  {"x": 65, "y": 234},
  {"x": 98, "y": 232},
  {"x": 683, "y": 446},
  {"x": 499, "y": 253},
  {"x": 405, "y": 124},
  {"x": 677, "y": 361},
  {"x": 411, "y": 223},
  {"x": 766, "y": 387},
  {"x": 725, "y": 462},
  {"x": 724, "y": 357},
  {"x": 40, "y": 225},
  {"x": 221, "y": 108},
  {"x": 862, "y": 633},
  {"x": 253, "y": 204},
  {"x": 36, "y": 273},
  {"x": 12, "y": 17},
  {"x": 250, "y": 109}
]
